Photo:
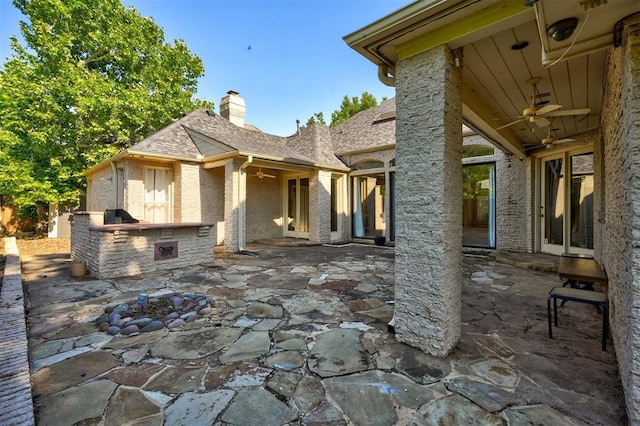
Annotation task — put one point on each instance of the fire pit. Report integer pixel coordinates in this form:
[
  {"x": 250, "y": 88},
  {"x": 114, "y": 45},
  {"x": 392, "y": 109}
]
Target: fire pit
[{"x": 172, "y": 310}]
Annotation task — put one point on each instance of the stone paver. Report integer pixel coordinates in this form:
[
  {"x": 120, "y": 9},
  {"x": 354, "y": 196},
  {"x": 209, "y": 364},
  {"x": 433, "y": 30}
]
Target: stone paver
[{"x": 298, "y": 335}]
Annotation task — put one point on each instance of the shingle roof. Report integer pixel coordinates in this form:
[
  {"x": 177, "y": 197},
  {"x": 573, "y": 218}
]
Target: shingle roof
[
  {"x": 375, "y": 127},
  {"x": 175, "y": 140}
]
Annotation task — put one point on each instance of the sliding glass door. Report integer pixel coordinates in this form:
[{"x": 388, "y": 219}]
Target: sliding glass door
[
  {"x": 478, "y": 208},
  {"x": 566, "y": 205}
]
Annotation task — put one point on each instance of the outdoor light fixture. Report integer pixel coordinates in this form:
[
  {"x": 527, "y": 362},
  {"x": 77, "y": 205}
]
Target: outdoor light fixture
[
  {"x": 562, "y": 29},
  {"x": 519, "y": 45}
]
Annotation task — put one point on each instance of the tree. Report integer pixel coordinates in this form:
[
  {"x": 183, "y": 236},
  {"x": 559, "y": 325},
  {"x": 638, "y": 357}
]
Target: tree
[
  {"x": 317, "y": 117},
  {"x": 351, "y": 107},
  {"x": 91, "y": 79}
]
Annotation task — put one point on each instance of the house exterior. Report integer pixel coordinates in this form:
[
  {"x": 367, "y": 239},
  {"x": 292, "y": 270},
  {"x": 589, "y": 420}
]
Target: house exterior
[
  {"x": 212, "y": 168},
  {"x": 323, "y": 185},
  {"x": 555, "y": 84}
]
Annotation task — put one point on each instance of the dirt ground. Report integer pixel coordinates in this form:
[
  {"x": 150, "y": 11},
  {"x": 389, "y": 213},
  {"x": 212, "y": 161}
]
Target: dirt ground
[{"x": 37, "y": 246}]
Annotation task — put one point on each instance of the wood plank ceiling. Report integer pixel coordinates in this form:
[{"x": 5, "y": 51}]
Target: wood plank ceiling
[{"x": 501, "y": 77}]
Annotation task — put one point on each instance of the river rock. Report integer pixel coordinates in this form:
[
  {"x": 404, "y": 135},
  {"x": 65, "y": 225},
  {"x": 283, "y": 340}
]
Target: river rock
[
  {"x": 152, "y": 326},
  {"x": 131, "y": 329},
  {"x": 113, "y": 330},
  {"x": 177, "y": 323},
  {"x": 140, "y": 322},
  {"x": 188, "y": 315}
]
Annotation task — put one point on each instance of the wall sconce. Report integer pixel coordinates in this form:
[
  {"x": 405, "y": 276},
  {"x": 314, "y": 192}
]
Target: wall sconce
[{"x": 562, "y": 29}]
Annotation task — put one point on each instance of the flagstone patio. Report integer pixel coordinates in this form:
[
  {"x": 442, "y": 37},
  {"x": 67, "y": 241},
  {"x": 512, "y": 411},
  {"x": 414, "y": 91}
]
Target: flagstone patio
[{"x": 298, "y": 335}]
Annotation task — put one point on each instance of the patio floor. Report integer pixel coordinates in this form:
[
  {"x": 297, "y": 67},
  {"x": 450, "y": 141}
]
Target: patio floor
[{"x": 298, "y": 335}]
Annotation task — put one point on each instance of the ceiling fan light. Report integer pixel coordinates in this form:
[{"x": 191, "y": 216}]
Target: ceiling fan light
[{"x": 562, "y": 29}]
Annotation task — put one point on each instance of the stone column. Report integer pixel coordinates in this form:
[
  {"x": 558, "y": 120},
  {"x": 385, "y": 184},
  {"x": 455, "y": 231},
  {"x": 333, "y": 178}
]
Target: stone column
[
  {"x": 320, "y": 207},
  {"x": 429, "y": 200},
  {"x": 618, "y": 246},
  {"x": 231, "y": 206}
]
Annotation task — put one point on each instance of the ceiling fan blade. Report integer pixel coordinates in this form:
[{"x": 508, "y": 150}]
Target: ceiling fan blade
[
  {"x": 541, "y": 121},
  {"x": 547, "y": 109},
  {"x": 529, "y": 148},
  {"x": 563, "y": 140},
  {"x": 579, "y": 111},
  {"x": 511, "y": 124}
]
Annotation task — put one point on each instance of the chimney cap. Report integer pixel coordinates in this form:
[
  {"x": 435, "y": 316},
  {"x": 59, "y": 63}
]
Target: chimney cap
[{"x": 232, "y": 92}]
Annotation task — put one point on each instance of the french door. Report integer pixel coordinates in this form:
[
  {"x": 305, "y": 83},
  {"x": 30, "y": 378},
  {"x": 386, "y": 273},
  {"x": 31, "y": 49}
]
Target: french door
[
  {"x": 566, "y": 204},
  {"x": 296, "y": 207}
]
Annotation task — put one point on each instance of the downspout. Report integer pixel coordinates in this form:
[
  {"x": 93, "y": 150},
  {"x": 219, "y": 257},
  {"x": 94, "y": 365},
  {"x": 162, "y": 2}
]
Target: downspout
[
  {"x": 385, "y": 77},
  {"x": 114, "y": 180},
  {"x": 242, "y": 200}
]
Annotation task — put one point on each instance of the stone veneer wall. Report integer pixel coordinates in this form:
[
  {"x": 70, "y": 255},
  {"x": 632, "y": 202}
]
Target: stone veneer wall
[
  {"x": 320, "y": 207},
  {"x": 128, "y": 249},
  {"x": 231, "y": 206},
  {"x": 619, "y": 248},
  {"x": 429, "y": 201}
]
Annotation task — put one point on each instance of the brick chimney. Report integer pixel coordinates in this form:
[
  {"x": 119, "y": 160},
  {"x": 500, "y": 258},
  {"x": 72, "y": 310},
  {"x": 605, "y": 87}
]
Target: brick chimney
[{"x": 232, "y": 108}]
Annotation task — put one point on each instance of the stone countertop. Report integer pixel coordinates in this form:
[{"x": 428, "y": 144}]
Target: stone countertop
[{"x": 144, "y": 226}]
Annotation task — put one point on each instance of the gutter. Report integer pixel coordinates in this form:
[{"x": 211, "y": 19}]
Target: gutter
[{"x": 141, "y": 154}]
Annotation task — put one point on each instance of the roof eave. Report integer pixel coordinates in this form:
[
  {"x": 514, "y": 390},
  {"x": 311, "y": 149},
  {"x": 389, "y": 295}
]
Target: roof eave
[{"x": 428, "y": 23}]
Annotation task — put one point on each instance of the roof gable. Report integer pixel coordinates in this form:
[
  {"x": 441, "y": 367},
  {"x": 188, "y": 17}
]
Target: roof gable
[{"x": 372, "y": 128}]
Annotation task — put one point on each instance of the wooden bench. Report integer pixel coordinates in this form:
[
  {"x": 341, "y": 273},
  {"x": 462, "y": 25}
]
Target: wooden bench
[{"x": 567, "y": 294}]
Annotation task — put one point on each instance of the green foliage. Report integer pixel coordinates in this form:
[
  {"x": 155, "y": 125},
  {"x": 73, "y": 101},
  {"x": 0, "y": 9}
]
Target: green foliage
[
  {"x": 352, "y": 106},
  {"x": 317, "y": 117},
  {"x": 92, "y": 78},
  {"x": 476, "y": 151}
]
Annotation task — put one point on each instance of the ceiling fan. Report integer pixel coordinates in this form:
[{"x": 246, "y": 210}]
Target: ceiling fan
[
  {"x": 538, "y": 112},
  {"x": 550, "y": 140},
  {"x": 261, "y": 175}
]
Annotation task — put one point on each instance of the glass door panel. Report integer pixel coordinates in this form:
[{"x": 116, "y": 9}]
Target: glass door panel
[
  {"x": 566, "y": 216},
  {"x": 478, "y": 208},
  {"x": 297, "y": 207},
  {"x": 581, "y": 226},
  {"x": 552, "y": 206},
  {"x": 368, "y": 206}
]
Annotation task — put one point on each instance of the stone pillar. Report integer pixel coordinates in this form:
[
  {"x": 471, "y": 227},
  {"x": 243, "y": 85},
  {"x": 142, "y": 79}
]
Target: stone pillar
[
  {"x": 619, "y": 191},
  {"x": 231, "y": 206},
  {"x": 429, "y": 200},
  {"x": 320, "y": 207}
]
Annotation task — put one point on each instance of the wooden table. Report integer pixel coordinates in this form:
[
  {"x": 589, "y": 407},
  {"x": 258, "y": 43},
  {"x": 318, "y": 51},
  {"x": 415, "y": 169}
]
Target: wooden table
[{"x": 578, "y": 270}]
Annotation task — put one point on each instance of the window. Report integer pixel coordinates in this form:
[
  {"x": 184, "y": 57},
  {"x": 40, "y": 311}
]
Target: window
[
  {"x": 157, "y": 196},
  {"x": 478, "y": 208},
  {"x": 368, "y": 206},
  {"x": 334, "y": 204}
]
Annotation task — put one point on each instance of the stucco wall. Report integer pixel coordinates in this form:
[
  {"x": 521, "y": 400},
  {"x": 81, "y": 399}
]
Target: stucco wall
[{"x": 619, "y": 249}]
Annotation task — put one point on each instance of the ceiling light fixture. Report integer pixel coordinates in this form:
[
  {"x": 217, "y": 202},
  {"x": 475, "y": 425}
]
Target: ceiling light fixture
[
  {"x": 562, "y": 29},
  {"x": 519, "y": 45}
]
